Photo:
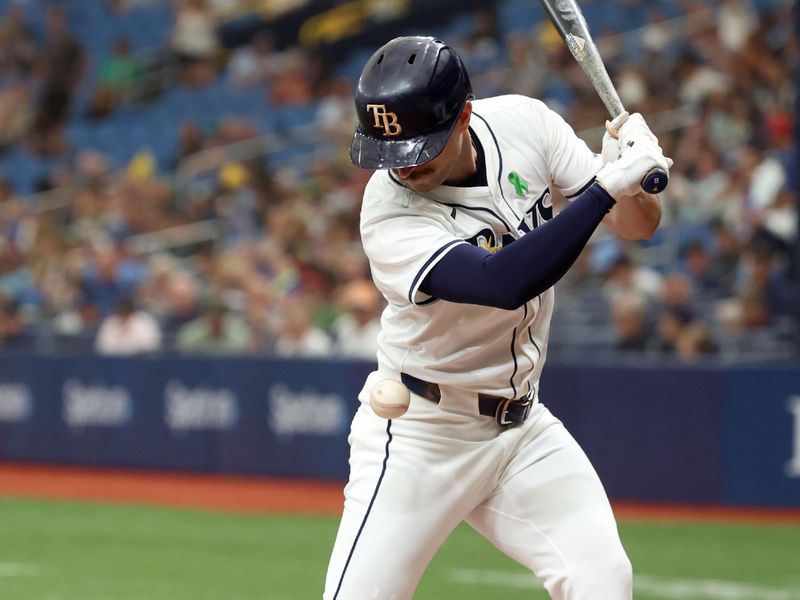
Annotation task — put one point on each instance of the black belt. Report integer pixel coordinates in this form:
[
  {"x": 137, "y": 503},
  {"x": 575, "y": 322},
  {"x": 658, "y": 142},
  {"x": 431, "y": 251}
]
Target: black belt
[{"x": 505, "y": 412}]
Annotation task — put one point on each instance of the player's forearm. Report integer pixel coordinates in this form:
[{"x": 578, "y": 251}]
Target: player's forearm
[
  {"x": 635, "y": 217},
  {"x": 520, "y": 271}
]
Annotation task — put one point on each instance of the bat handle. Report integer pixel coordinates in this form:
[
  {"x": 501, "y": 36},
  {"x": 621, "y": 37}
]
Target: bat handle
[{"x": 655, "y": 181}]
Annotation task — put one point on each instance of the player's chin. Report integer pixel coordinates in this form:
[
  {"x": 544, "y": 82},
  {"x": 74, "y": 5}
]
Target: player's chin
[{"x": 423, "y": 184}]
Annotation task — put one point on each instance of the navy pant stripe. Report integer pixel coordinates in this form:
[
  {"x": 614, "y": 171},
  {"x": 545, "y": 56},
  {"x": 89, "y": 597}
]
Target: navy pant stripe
[{"x": 369, "y": 508}]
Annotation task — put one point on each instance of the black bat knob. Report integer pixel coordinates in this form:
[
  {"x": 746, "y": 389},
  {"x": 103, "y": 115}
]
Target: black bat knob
[{"x": 655, "y": 181}]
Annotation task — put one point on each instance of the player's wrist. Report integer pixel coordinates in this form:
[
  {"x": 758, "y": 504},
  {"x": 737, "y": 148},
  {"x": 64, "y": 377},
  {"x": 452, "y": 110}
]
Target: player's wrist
[
  {"x": 598, "y": 191},
  {"x": 624, "y": 177}
]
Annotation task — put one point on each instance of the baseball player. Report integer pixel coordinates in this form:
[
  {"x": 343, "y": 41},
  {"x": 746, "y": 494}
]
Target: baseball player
[{"x": 458, "y": 225}]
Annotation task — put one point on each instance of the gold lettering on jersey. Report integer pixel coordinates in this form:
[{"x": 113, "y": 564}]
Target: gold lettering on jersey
[
  {"x": 487, "y": 245},
  {"x": 385, "y": 120}
]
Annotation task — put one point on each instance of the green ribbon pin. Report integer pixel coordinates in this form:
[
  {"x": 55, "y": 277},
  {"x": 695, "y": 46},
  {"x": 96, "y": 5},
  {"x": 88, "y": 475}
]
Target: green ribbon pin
[{"x": 519, "y": 184}]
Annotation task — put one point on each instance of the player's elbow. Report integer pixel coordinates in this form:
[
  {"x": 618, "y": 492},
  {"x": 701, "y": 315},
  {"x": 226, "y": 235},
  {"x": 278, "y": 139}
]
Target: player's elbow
[
  {"x": 508, "y": 305},
  {"x": 651, "y": 218},
  {"x": 651, "y": 230},
  {"x": 637, "y": 217},
  {"x": 644, "y": 230},
  {"x": 512, "y": 301}
]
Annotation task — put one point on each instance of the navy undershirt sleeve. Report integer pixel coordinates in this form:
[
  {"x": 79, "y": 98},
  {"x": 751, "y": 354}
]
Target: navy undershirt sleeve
[{"x": 520, "y": 271}]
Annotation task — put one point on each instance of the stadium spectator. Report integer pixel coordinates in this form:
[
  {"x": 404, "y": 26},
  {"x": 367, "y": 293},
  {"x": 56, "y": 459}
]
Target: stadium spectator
[
  {"x": 699, "y": 267},
  {"x": 625, "y": 274},
  {"x": 694, "y": 341},
  {"x": 768, "y": 280},
  {"x": 110, "y": 275},
  {"x": 190, "y": 141},
  {"x": 182, "y": 302},
  {"x": 356, "y": 329},
  {"x": 297, "y": 334},
  {"x": 699, "y": 80},
  {"x": 13, "y": 213},
  {"x": 527, "y": 66},
  {"x": 632, "y": 86},
  {"x": 335, "y": 111},
  {"x": 736, "y": 22},
  {"x": 293, "y": 84},
  {"x": 707, "y": 197},
  {"x": 656, "y": 37},
  {"x": 127, "y": 331},
  {"x": 12, "y": 325},
  {"x": 776, "y": 223},
  {"x": 216, "y": 331},
  {"x": 729, "y": 125},
  {"x": 259, "y": 307},
  {"x": 291, "y": 228},
  {"x": 237, "y": 204},
  {"x": 483, "y": 47},
  {"x": 92, "y": 171},
  {"x": 726, "y": 257},
  {"x": 670, "y": 324},
  {"x": 119, "y": 75},
  {"x": 195, "y": 43},
  {"x": 18, "y": 51},
  {"x": 16, "y": 114},
  {"x": 629, "y": 315},
  {"x": 255, "y": 63},
  {"x": 170, "y": 293},
  {"x": 677, "y": 291},
  {"x": 60, "y": 66}
]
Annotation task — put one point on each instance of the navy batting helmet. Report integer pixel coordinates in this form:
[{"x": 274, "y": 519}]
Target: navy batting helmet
[{"x": 408, "y": 99}]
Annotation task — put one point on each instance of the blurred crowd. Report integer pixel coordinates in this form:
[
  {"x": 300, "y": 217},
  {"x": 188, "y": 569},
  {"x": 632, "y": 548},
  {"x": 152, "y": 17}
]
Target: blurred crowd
[
  {"x": 722, "y": 276},
  {"x": 254, "y": 257}
]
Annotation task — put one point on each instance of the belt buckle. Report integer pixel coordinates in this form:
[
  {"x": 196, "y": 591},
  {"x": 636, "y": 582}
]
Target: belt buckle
[
  {"x": 502, "y": 411},
  {"x": 527, "y": 403}
]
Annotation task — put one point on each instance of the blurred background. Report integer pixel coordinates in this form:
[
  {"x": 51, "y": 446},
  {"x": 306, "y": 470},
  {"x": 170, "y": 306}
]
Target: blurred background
[
  {"x": 177, "y": 164},
  {"x": 182, "y": 285}
]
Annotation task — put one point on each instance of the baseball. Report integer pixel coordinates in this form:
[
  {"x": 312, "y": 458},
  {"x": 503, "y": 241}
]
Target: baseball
[{"x": 389, "y": 399}]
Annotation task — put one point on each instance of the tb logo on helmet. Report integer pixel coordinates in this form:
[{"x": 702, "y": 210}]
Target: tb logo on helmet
[{"x": 385, "y": 120}]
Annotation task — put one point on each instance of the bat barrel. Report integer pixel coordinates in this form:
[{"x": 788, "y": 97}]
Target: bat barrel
[{"x": 571, "y": 25}]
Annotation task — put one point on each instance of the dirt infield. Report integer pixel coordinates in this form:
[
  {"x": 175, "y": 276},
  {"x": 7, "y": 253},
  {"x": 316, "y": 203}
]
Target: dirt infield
[
  {"x": 270, "y": 496},
  {"x": 215, "y": 492}
]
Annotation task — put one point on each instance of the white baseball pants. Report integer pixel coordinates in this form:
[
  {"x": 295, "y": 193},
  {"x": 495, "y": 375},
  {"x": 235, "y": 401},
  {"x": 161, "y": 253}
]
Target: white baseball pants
[{"x": 529, "y": 489}]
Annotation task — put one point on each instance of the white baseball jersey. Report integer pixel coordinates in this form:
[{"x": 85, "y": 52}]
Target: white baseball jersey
[{"x": 529, "y": 152}]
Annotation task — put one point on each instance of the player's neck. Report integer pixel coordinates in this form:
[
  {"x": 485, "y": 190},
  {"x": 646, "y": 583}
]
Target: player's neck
[{"x": 467, "y": 164}]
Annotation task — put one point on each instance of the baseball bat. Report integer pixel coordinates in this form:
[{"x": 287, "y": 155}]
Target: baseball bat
[{"x": 568, "y": 20}]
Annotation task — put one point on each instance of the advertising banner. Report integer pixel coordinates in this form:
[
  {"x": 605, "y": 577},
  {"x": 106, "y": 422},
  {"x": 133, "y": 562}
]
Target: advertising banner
[
  {"x": 762, "y": 437},
  {"x": 654, "y": 433},
  {"x": 260, "y": 416}
]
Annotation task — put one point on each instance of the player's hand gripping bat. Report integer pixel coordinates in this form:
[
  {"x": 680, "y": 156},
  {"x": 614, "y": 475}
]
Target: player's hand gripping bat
[{"x": 568, "y": 19}]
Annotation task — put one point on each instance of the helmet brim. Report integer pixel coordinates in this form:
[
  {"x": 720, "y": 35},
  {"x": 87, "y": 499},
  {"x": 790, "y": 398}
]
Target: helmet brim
[{"x": 369, "y": 152}]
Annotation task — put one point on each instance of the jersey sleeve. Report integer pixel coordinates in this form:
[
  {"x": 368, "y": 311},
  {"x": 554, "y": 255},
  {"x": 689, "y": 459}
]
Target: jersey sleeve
[
  {"x": 403, "y": 245},
  {"x": 571, "y": 163}
]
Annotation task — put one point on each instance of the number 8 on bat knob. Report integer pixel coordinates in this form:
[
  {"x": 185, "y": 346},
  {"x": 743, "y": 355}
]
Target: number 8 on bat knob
[{"x": 655, "y": 181}]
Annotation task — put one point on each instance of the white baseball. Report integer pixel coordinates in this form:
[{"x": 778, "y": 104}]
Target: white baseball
[{"x": 389, "y": 399}]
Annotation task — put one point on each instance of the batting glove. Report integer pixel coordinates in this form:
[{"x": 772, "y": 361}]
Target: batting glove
[
  {"x": 624, "y": 176},
  {"x": 612, "y": 147},
  {"x": 635, "y": 127}
]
